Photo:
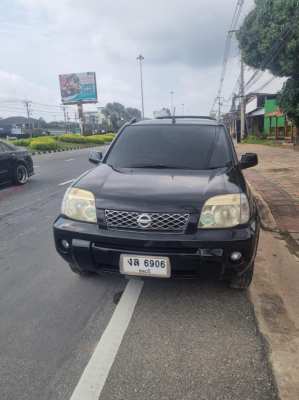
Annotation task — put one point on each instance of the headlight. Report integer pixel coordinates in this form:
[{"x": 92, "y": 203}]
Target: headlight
[
  {"x": 80, "y": 205},
  {"x": 225, "y": 211}
]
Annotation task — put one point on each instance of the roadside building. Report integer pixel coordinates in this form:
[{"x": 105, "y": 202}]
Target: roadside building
[
  {"x": 91, "y": 121},
  {"x": 264, "y": 118},
  {"x": 163, "y": 112},
  {"x": 276, "y": 124},
  {"x": 13, "y": 127},
  {"x": 255, "y": 112}
]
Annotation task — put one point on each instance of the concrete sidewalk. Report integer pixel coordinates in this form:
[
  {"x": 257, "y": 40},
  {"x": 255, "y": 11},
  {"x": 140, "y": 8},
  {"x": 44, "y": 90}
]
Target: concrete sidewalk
[
  {"x": 276, "y": 178},
  {"x": 274, "y": 292}
]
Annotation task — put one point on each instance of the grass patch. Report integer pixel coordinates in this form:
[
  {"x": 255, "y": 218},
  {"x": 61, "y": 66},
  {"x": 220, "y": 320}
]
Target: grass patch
[
  {"x": 43, "y": 144},
  {"x": 94, "y": 139},
  {"x": 21, "y": 142},
  {"x": 251, "y": 139},
  {"x": 63, "y": 142}
]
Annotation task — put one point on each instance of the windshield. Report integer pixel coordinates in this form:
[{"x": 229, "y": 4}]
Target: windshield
[{"x": 192, "y": 147}]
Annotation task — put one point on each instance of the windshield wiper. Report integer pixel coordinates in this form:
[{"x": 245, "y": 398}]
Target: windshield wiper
[
  {"x": 154, "y": 166},
  {"x": 228, "y": 164}
]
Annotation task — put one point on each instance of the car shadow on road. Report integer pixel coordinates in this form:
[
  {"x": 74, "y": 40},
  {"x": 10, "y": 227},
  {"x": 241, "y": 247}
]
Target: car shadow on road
[{"x": 191, "y": 339}]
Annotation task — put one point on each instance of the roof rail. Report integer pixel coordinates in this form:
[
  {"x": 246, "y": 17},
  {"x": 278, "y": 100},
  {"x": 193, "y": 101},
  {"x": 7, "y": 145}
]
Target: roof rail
[
  {"x": 187, "y": 116},
  {"x": 132, "y": 121}
]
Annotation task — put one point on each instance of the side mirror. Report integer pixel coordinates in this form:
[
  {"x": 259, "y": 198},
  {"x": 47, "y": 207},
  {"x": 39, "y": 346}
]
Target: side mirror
[
  {"x": 95, "y": 157},
  {"x": 248, "y": 160}
]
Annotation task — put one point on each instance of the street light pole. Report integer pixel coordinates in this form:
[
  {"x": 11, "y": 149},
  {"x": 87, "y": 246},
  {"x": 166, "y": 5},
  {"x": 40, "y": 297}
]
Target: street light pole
[
  {"x": 171, "y": 102},
  {"x": 27, "y": 104},
  {"x": 183, "y": 107},
  {"x": 140, "y": 58}
]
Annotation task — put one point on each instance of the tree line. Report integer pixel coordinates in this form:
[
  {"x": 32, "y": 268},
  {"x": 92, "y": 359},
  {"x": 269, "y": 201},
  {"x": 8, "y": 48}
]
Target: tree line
[{"x": 269, "y": 39}]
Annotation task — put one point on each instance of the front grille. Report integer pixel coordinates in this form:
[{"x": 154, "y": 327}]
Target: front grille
[{"x": 158, "y": 222}]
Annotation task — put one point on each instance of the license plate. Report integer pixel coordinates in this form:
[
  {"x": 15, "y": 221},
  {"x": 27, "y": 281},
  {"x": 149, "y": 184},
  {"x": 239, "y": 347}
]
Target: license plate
[{"x": 158, "y": 267}]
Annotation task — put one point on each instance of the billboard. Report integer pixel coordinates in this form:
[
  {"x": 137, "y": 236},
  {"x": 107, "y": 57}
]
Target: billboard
[{"x": 78, "y": 88}]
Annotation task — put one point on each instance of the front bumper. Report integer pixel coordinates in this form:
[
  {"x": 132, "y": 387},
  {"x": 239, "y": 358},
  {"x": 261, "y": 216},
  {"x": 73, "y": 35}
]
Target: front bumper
[
  {"x": 29, "y": 164},
  {"x": 98, "y": 250}
]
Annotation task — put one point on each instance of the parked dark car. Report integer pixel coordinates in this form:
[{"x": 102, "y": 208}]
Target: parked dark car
[
  {"x": 15, "y": 164},
  {"x": 168, "y": 199}
]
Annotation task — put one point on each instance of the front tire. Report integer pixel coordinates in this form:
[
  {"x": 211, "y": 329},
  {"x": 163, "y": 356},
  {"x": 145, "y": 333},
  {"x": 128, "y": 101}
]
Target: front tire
[
  {"x": 21, "y": 175},
  {"x": 242, "y": 282},
  {"x": 80, "y": 272}
]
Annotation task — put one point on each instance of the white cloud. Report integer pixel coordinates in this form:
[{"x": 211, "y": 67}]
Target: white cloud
[
  {"x": 182, "y": 43},
  {"x": 14, "y": 86}
]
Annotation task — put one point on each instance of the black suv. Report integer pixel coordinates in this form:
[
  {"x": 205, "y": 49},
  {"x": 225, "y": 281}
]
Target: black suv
[
  {"x": 16, "y": 164},
  {"x": 168, "y": 199}
]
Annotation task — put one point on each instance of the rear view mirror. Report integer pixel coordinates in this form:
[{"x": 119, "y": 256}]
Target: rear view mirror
[
  {"x": 248, "y": 160},
  {"x": 95, "y": 157}
]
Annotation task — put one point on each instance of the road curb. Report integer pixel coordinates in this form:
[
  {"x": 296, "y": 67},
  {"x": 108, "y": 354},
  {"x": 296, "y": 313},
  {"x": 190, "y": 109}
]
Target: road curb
[{"x": 275, "y": 299}]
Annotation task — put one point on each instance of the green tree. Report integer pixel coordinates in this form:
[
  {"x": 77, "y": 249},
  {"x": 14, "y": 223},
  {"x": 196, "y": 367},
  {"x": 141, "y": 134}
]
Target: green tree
[
  {"x": 289, "y": 100},
  {"x": 118, "y": 114},
  {"x": 133, "y": 113},
  {"x": 269, "y": 39}
]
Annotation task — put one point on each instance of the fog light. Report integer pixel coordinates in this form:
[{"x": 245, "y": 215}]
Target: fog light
[
  {"x": 236, "y": 256},
  {"x": 65, "y": 244}
]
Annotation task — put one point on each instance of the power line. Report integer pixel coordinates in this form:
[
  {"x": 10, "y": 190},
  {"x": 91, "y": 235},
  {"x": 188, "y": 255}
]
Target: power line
[
  {"x": 274, "y": 51},
  {"x": 235, "y": 90},
  {"x": 227, "y": 48},
  {"x": 48, "y": 105}
]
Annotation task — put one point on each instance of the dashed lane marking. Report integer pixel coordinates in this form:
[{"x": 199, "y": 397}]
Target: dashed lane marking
[{"x": 66, "y": 182}]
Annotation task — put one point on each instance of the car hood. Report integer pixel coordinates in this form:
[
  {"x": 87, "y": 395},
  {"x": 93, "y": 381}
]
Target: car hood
[
  {"x": 154, "y": 190},
  {"x": 22, "y": 151}
]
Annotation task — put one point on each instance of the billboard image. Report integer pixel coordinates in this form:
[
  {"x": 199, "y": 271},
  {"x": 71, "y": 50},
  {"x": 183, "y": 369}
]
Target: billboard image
[{"x": 78, "y": 88}]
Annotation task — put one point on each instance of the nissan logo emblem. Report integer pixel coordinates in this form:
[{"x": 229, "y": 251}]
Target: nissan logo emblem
[{"x": 144, "y": 221}]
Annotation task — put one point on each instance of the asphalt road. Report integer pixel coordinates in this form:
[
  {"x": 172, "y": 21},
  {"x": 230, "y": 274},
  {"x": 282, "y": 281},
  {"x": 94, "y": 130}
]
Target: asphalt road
[
  {"x": 186, "y": 340},
  {"x": 50, "y": 320}
]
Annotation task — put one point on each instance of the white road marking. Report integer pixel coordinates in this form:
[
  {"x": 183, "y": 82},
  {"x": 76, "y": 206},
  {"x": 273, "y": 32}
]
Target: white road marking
[
  {"x": 66, "y": 182},
  {"x": 36, "y": 166},
  {"x": 70, "y": 159},
  {"x": 97, "y": 370}
]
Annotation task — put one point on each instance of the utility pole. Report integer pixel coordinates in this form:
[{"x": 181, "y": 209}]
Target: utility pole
[
  {"x": 219, "y": 101},
  {"x": 241, "y": 135},
  {"x": 27, "y": 104},
  {"x": 140, "y": 58},
  {"x": 81, "y": 118},
  {"x": 183, "y": 109},
  {"x": 242, "y": 100},
  {"x": 171, "y": 102},
  {"x": 65, "y": 121}
]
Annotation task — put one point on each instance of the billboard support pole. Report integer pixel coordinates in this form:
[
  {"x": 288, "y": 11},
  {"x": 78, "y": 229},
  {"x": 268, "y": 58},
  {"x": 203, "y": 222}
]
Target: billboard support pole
[
  {"x": 65, "y": 122},
  {"x": 81, "y": 118}
]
